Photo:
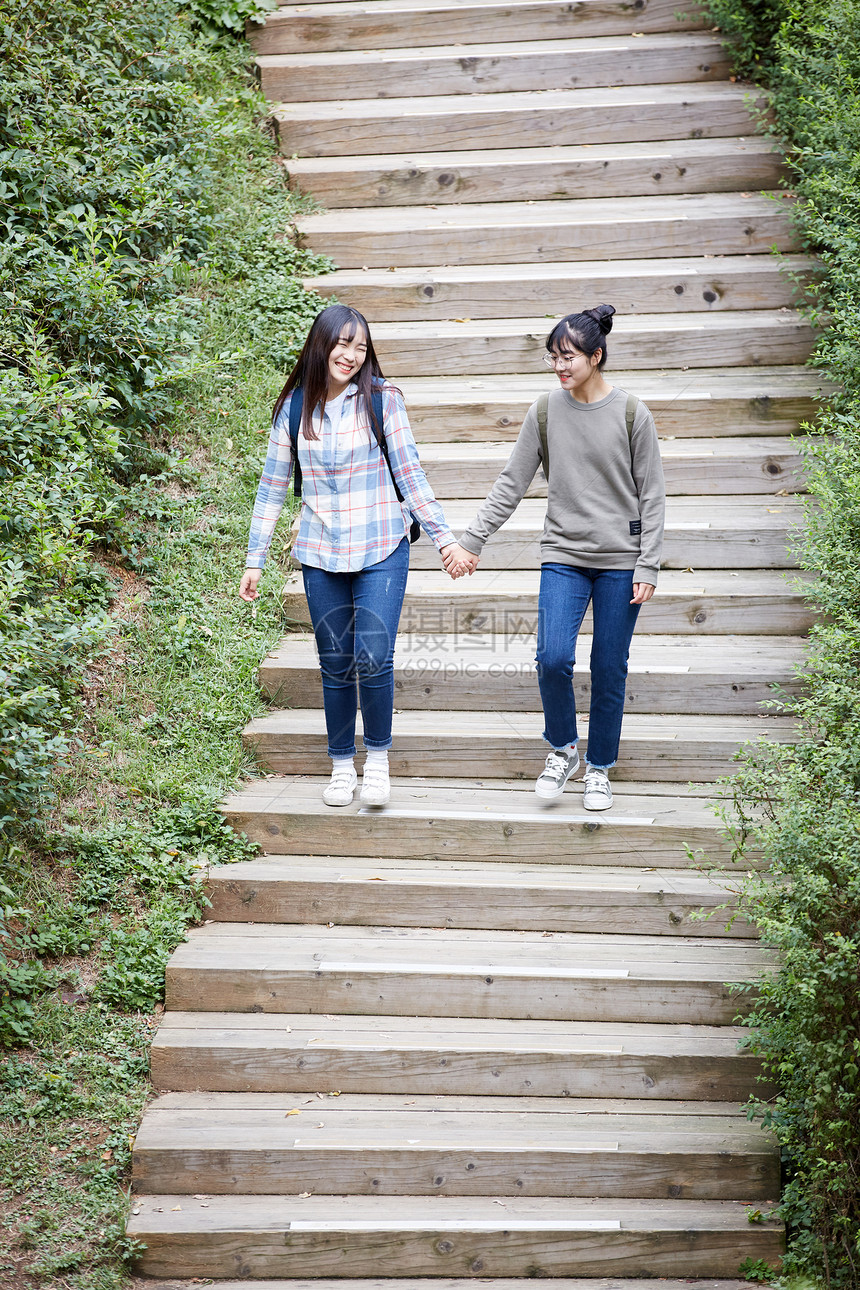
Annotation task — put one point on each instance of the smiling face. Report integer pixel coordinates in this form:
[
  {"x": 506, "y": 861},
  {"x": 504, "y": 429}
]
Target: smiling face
[
  {"x": 346, "y": 359},
  {"x": 572, "y": 367}
]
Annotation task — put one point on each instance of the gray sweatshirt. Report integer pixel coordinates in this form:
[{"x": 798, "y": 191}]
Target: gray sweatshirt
[{"x": 606, "y": 498}]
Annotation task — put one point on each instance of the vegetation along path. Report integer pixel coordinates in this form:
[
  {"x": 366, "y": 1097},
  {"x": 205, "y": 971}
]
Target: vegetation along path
[{"x": 466, "y": 1036}]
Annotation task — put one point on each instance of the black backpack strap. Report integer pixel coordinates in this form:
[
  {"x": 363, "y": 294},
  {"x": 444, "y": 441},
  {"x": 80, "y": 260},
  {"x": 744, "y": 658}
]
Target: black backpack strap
[
  {"x": 296, "y": 402},
  {"x": 414, "y": 527}
]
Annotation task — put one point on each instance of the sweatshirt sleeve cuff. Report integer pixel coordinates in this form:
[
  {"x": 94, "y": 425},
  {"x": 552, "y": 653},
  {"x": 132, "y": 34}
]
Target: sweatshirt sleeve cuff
[
  {"x": 642, "y": 573},
  {"x": 469, "y": 542}
]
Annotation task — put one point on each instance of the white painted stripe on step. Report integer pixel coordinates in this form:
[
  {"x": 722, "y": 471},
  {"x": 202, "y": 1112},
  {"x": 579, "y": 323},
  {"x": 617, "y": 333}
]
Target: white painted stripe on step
[
  {"x": 572, "y": 1148},
  {"x": 462, "y": 1225},
  {"x": 474, "y": 969},
  {"x": 500, "y": 817},
  {"x": 417, "y": 1045}
]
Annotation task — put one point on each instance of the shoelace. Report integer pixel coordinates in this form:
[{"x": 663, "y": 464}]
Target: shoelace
[
  {"x": 555, "y": 764},
  {"x": 596, "y": 782}
]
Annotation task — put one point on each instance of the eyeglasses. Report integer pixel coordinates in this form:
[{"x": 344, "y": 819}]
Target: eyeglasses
[{"x": 560, "y": 360}]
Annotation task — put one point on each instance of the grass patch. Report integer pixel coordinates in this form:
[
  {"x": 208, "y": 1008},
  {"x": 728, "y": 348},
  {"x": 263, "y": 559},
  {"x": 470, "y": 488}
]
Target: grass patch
[
  {"x": 800, "y": 804},
  {"x": 126, "y": 505}
]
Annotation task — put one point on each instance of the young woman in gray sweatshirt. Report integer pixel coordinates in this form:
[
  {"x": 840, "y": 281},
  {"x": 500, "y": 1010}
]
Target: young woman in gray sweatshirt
[{"x": 601, "y": 541}]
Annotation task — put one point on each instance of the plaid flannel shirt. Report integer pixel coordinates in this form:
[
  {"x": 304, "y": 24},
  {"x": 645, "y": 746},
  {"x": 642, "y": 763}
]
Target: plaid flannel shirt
[{"x": 350, "y": 515}]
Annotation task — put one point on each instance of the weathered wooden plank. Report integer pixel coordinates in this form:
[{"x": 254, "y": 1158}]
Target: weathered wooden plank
[
  {"x": 717, "y": 602},
  {"x": 290, "y": 818},
  {"x": 257, "y": 1149},
  {"x": 635, "y": 113},
  {"x": 383, "y": 24},
  {"x": 702, "y": 533},
  {"x": 494, "y": 68},
  {"x": 647, "y": 902},
  {"x": 317, "y": 1236},
  {"x": 685, "y": 675},
  {"x": 552, "y": 172},
  {"x": 698, "y": 468},
  {"x": 699, "y": 403},
  {"x": 457, "y": 974},
  {"x": 443, "y": 1283},
  {"x": 509, "y": 745},
  {"x": 295, "y": 1053},
  {"x": 496, "y": 233},
  {"x": 498, "y": 291},
  {"x": 734, "y": 338}
]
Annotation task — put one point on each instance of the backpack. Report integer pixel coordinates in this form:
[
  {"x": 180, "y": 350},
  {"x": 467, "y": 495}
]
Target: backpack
[
  {"x": 295, "y": 410},
  {"x": 542, "y": 404}
]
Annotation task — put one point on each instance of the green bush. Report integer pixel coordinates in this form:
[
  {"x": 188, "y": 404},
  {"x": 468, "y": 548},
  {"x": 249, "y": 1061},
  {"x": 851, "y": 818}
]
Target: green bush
[{"x": 801, "y": 804}]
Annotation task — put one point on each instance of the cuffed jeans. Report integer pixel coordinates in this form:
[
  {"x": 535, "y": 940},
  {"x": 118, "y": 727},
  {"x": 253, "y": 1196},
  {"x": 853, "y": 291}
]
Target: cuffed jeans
[
  {"x": 565, "y": 592},
  {"x": 355, "y": 618}
]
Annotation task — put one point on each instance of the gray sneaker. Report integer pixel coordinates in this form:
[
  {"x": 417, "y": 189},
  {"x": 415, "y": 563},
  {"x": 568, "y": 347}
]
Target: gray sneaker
[
  {"x": 555, "y": 774},
  {"x": 598, "y": 794}
]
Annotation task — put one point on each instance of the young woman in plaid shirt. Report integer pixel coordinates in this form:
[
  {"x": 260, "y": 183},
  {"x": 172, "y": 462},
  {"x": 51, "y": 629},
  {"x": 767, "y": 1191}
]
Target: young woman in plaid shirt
[{"x": 353, "y": 543}]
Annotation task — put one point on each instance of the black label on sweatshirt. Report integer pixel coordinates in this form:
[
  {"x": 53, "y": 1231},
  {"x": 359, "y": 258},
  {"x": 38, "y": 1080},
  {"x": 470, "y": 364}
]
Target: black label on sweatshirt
[{"x": 635, "y": 527}]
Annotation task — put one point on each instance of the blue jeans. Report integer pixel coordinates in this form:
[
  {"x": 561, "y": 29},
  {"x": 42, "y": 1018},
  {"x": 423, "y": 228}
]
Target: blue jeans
[
  {"x": 564, "y": 595},
  {"x": 355, "y": 618}
]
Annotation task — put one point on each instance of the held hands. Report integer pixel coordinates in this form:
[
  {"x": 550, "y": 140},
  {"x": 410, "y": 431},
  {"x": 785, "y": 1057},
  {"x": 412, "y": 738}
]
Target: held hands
[
  {"x": 642, "y": 591},
  {"x": 457, "y": 560}
]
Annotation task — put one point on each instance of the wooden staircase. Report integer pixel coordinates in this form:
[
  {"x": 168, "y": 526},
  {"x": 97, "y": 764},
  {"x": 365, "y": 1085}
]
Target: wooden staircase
[{"x": 469, "y": 1035}]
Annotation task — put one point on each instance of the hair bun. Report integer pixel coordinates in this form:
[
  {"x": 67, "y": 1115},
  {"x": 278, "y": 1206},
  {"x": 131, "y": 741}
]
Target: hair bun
[{"x": 602, "y": 315}]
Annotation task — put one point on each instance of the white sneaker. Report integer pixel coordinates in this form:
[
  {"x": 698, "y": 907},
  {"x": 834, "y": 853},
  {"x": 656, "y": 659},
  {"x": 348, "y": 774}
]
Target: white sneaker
[
  {"x": 375, "y": 788},
  {"x": 340, "y": 788},
  {"x": 555, "y": 774},
  {"x": 598, "y": 794}
]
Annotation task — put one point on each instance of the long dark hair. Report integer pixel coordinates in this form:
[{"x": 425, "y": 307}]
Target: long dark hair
[
  {"x": 587, "y": 331},
  {"x": 311, "y": 370}
]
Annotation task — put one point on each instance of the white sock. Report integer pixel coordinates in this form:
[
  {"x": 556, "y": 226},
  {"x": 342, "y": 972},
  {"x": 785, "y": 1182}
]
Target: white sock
[
  {"x": 342, "y": 763},
  {"x": 377, "y": 757}
]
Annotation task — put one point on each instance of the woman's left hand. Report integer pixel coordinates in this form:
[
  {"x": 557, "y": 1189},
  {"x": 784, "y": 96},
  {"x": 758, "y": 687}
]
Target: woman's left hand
[{"x": 642, "y": 591}]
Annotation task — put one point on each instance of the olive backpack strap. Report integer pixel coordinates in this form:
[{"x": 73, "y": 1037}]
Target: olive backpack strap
[
  {"x": 542, "y": 405},
  {"x": 296, "y": 401},
  {"x": 630, "y": 417}
]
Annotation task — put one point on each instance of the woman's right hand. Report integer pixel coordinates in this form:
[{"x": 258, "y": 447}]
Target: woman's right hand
[
  {"x": 248, "y": 585},
  {"x": 456, "y": 560}
]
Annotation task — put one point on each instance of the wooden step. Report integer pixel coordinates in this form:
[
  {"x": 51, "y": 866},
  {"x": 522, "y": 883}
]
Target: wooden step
[
  {"x": 735, "y": 532},
  {"x": 294, "y": 1052},
  {"x": 621, "y": 228},
  {"x": 236, "y": 967},
  {"x": 650, "y": 287},
  {"x": 460, "y": 893},
  {"x": 378, "y": 1145},
  {"x": 493, "y": 68},
  {"x": 432, "y": 819},
  {"x": 509, "y": 745},
  {"x": 460, "y": 346},
  {"x": 383, "y": 24},
  {"x": 555, "y": 171},
  {"x": 452, "y": 1283},
  {"x": 626, "y": 113},
  {"x": 442, "y": 1236},
  {"x": 699, "y": 468},
  {"x": 714, "y": 602},
  {"x": 681, "y": 674},
  {"x": 706, "y": 402}
]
